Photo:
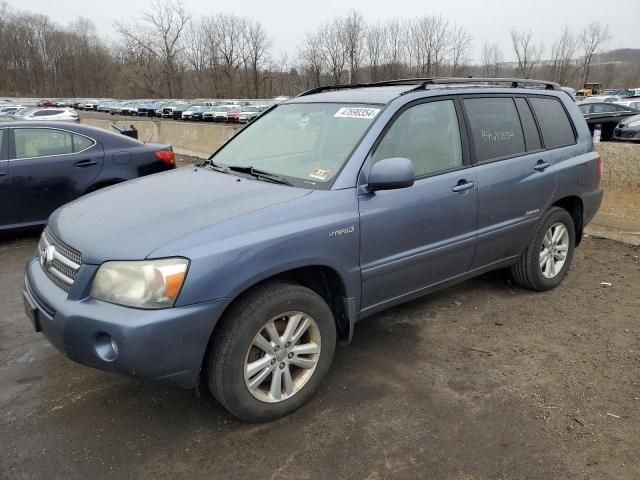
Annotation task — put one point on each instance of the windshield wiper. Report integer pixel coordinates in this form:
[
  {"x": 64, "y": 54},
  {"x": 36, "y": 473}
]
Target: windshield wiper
[
  {"x": 216, "y": 166},
  {"x": 260, "y": 174}
]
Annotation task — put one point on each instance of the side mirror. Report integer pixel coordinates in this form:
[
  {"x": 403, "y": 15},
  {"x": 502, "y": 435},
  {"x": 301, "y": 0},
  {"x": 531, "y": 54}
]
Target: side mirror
[{"x": 390, "y": 174}]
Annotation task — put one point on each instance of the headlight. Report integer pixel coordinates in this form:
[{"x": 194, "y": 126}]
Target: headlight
[
  {"x": 634, "y": 124},
  {"x": 146, "y": 284}
]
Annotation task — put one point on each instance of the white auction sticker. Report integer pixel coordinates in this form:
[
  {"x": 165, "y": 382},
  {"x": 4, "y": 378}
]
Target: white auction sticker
[{"x": 357, "y": 112}]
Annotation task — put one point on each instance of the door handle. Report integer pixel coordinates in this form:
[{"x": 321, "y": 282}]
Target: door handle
[
  {"x": 541, "y": 166},
  {"x": 2, "y": 174},
  {"x": 463, "y": 185},
  {"x": 85, "y": 163}
]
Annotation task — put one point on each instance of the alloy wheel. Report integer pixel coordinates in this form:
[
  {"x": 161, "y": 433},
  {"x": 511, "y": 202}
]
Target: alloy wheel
[
  {"x": 282, "y": 357},
  {"x": 554, "y": 250}
]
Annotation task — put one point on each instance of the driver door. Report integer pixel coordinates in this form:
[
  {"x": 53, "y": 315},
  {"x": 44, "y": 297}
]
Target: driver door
[{"x": 417, "y": 237}]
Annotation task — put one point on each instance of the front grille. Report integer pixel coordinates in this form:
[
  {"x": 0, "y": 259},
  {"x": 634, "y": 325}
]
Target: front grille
[{"x": 59, "y": 261}]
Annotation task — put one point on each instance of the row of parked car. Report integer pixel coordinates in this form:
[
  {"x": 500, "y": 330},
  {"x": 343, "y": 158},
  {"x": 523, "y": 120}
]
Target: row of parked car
[
  {"x": 198, "y": 110},
  {"x": 616, "y": 116}
]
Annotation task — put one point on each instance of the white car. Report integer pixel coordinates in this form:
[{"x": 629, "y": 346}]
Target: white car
[
  {"x": 219, "y": 113},
  {"x": 630, "y": 103},
  {"x": 10, "y": 109},
  {"x": 603, "y": 98},
  {"x": 50, "y": 114},
  {"x": 248, "y": 113},
  {"x": 194, "y": 112}
]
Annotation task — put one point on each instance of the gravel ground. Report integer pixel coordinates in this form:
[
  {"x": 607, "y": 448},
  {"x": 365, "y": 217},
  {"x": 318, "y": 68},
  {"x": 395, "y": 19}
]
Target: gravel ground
[{"x": 480, "y": 381}]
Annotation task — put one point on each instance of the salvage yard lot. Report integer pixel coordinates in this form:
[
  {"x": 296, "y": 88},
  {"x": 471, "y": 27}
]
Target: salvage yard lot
[{"x": 480, "y": 381}]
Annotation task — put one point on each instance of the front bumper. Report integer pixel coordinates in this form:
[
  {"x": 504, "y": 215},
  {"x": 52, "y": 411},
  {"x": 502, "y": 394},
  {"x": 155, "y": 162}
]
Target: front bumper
[
  {"x": 626, "y": 134},
  {"x": 158, "y": 345}
]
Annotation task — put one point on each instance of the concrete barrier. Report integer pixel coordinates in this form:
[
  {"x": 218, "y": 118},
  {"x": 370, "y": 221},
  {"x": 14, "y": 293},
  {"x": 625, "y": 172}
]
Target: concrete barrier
[
  {"x": 620, "y": 165},
  {"x": 187, "y": 138}
]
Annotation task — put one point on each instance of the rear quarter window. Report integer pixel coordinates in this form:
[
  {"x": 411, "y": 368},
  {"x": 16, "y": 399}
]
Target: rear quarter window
[{"x": 554, "y": 122}]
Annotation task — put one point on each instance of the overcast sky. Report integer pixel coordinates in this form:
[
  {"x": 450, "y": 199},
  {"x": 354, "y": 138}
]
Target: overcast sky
[{"x": 287, "y": 20}]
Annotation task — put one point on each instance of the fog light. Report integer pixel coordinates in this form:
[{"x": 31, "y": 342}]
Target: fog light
[{"x": 106, "y": 347}]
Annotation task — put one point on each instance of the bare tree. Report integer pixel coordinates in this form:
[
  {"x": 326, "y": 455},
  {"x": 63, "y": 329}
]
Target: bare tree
[
  {"x": 491, "y": 59},
  {"x": 460, "y": 44},
  {"x": 228, "y": 31},
  {"x": 563, "y": 54},
  {"x": 312, "y": 58},
  {"x": 439, "y": 44},
  {"x": 393, "y": 49},
  {"x": 593, "y": 37},
  {"x": 375, "y": 42},
  {"x": 258, "y": 47},
  {"x": 352, "y": 33},
  {"x": 159, "y": 31},
  {"x": 196, "y": 51},
  {"x": 527, "y": 53},
  {"x": 333, "y": 49}
]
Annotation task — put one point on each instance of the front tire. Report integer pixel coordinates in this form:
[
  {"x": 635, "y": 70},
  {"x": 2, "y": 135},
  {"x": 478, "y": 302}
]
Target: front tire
[
  {"x": 271, "y": 352},
  {"x": 547, "y": 258}
]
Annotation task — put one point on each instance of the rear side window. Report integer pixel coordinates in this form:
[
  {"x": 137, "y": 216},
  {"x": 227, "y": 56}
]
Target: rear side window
[
  {"x": 554, "y": 123},
  {"x": 46, "y": 113},
  {"x": 604, "y": 108},
  {"x": 41, "y": 142},
  {"x": 531, "y": 135},
  {"x": 495, "y": 126}
]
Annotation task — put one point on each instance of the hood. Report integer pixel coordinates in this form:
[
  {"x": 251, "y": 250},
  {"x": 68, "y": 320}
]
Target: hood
[{"x": 130, "y": 220}]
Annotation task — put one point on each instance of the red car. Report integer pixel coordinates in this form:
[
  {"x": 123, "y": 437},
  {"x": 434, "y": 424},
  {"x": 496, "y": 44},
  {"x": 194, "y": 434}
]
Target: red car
[
  {"x": 233, "y": 116},
  {"x": 45, "y": 103}
]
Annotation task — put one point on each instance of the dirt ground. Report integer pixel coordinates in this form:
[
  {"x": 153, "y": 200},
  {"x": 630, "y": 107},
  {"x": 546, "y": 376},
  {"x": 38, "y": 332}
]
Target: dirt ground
[{"x": 480, "y": 381}]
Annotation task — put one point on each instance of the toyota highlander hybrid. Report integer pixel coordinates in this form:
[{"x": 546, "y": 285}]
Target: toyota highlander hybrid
[{"x": 245, "y": 272}]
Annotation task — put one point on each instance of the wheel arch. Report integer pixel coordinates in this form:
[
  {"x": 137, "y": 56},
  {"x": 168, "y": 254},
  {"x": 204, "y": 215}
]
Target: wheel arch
[{"x": 573, "y": 204}]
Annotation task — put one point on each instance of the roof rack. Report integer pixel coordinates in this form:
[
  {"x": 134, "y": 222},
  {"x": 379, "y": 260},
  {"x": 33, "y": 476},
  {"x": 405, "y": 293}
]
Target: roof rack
[{"x": 424, "y": 83}]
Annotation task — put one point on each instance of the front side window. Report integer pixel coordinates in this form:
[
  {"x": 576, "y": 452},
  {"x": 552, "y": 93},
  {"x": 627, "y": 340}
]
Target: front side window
[
  {"x": 42, "y": 142},
  {"x": 309, "y": 142},
  {"x": 428, "y": 135},
  {"x": 554, "y": 123},
  {"x": 495, "y": 126}
]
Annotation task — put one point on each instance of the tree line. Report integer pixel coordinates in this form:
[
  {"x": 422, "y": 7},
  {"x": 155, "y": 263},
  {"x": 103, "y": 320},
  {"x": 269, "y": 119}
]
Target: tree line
[{"x": 169, "y": 53}]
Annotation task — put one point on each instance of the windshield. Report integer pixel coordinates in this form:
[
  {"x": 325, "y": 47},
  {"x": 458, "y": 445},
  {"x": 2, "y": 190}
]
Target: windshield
[{"x": 305, "y": 141}]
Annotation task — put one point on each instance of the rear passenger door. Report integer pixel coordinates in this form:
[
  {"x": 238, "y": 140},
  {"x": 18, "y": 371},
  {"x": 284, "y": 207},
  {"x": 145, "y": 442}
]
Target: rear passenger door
[
  {"x": 516, "y": 180},
  {"x": 50, "y": 167}
]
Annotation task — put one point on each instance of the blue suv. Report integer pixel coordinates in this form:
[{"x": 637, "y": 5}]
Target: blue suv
[{"x": 243, "y": 273}]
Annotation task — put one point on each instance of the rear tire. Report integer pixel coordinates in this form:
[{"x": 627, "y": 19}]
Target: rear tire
[
  {"x": 258, "y": 384},
  {"x": 546, "y": 260}
]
